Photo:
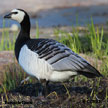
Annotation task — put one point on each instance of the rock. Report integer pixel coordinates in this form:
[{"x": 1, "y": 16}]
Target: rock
[
  {"x": 14, "y": 27},
  {"x": 6, "y": 58}
]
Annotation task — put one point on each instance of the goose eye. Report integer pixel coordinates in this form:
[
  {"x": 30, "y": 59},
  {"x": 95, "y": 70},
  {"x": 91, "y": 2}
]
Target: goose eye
[{"x": 15, "y": 12}]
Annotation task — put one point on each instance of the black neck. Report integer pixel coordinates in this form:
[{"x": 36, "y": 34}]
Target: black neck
[
  {"x": 23, "y": 36},
  {"x": 25, "y": 28}
]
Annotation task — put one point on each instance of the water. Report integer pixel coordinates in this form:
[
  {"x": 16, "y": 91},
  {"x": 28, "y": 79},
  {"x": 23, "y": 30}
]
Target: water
[{"x": 67, "y": 17}]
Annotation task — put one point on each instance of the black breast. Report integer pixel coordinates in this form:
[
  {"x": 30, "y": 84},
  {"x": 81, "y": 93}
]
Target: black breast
[{"x": 18, "y": 45}]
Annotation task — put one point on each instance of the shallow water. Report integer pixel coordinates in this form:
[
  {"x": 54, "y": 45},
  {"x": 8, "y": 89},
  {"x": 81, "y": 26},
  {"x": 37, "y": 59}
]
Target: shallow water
[{"x": 67, "y": 17}]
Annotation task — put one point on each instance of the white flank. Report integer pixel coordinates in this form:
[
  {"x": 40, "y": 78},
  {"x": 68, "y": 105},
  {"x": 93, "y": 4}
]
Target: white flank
[
  {"x": 40, "y": 68},
  {"x": 33, "y": 65},
  {"x": 19, "y": 16},
  {"x": 61, "y": 76}
]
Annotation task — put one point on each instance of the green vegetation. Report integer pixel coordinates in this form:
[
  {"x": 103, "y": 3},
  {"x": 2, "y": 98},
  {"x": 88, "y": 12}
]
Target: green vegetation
[
  {"x": 7, "y": 42},
  {"x": 93, "y": 43},
  {"x": 96, "y": 40},
  {"x": 71, "y": 40},
  {"x": 92, "y": 40}
]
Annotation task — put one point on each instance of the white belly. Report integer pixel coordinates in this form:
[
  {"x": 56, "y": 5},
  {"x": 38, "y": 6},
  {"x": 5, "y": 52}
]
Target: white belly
[
  {"x": 61, "y": 76},
  {"x": 33, "y": 65},
  {"x": 39, "y": 68}
]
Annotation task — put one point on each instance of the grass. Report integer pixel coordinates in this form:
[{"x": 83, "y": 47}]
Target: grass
[
  {"x": 6, "y": 43},
  {"x": 71, "y": 40},
  {"x": 96, "y": 46},
  {"x": 92, "y": 43},
  {"x": 96, "y": 39}
]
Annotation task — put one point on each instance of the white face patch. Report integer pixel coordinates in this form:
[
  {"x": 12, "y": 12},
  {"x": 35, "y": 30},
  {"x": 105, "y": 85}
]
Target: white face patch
[{"x": 19, "y": 16}]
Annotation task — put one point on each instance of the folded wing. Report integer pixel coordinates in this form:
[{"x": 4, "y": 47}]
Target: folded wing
[{"x": 61, "y": 58}]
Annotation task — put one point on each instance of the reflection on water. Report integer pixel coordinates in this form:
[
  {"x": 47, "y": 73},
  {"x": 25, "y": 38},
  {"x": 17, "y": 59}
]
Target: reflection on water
[{"x": 68, "y": 16}]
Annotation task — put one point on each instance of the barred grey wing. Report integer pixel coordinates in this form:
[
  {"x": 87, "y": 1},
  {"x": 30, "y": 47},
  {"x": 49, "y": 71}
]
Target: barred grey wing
[{"x": 62, "y": 58}]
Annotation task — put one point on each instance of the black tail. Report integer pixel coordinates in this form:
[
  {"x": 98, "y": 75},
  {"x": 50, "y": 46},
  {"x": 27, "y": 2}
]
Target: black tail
[{"x": 90, "y": 72}]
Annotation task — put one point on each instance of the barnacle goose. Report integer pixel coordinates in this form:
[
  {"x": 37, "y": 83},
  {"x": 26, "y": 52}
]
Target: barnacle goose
[{"x": 47, "y": 59}]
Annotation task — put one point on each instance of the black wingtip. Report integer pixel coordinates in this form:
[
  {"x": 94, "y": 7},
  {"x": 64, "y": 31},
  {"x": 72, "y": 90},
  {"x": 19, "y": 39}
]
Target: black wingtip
[
  {"x": 90, "y": 75},
  {"x": 101, "y": 75},
  {"x": 90, "y": 72}
]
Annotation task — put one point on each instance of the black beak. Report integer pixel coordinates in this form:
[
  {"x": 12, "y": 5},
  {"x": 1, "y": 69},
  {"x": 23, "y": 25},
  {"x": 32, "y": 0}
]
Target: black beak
[{"x": 8, "y": 15}]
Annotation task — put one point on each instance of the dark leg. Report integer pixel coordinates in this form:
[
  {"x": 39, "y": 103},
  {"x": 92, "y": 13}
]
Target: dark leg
[
  {"x": 46, "y": 88},
  {"x": 43, "y": 88},
  {"x": 40, "y": 89}
]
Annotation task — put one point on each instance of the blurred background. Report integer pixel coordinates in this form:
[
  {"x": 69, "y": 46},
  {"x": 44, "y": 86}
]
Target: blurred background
[
  {"x": 50, "y": 13},
  {"x": 82, "y": 25}
]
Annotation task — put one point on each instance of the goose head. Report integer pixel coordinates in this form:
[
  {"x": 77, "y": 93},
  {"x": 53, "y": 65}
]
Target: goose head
[
  {"x": 17, "y": 14},
  {"x": 21, "y": 17}
]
